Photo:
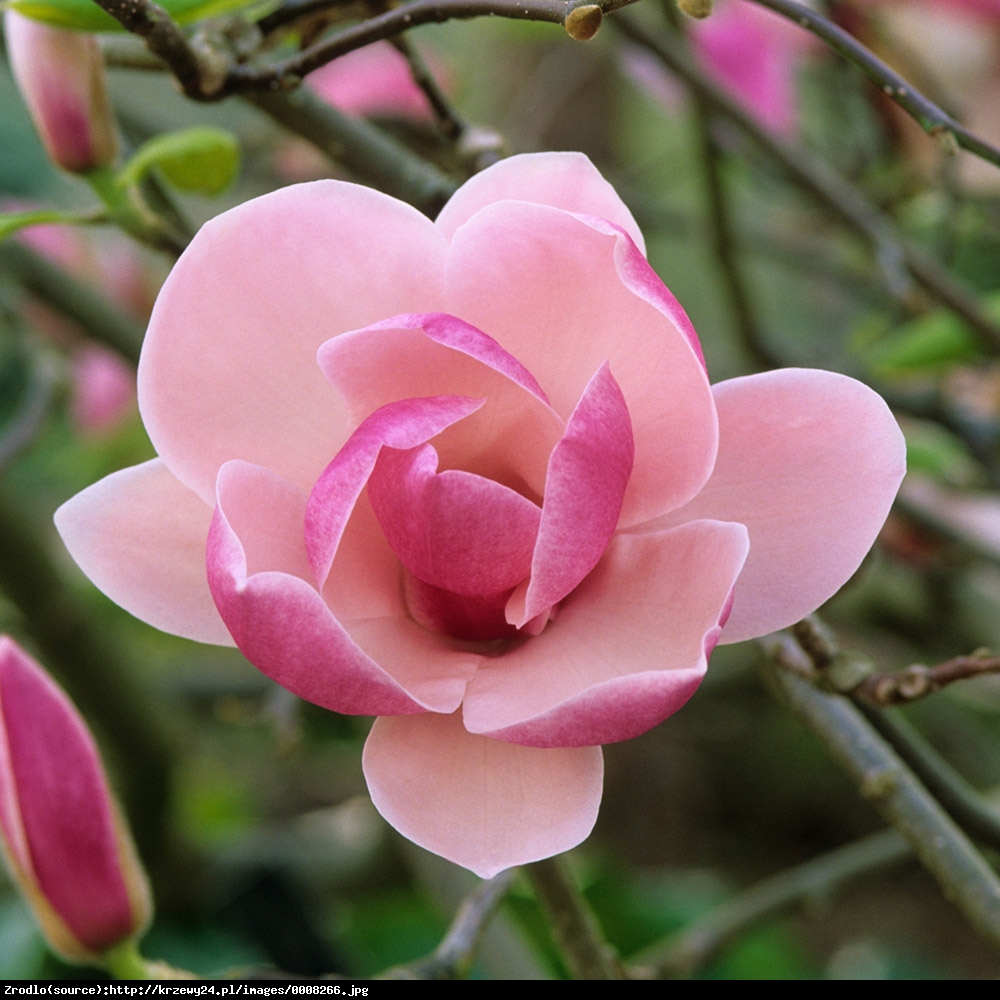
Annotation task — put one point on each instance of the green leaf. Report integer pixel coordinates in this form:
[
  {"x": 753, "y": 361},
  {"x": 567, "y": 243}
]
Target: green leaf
[
  {"x": 85, "y": 15},
  {"x": 201, "y": 159},
  {"x": 924, "y": 345}
]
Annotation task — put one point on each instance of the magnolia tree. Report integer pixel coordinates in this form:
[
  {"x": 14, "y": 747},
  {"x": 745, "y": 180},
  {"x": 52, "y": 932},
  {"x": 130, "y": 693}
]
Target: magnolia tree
[{"x": 502, "y": 388}]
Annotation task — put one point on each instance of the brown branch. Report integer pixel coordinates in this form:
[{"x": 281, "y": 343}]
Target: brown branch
[
  {"x": 288, "y": 72},
  {"x": 199, "y": 76},
  {"x": 903, "y": 686},
  {"x": 929, "y": 116}
]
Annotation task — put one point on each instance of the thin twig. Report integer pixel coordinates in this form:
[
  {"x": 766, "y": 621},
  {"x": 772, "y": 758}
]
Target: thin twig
[
  {"x": 690, "y": 950},
  {"x": 453, "y": 957},
  {"x": 900, "y": 687},
  {"x": 361, "y": 147},
  {"x": 843, "y": 671},
  {"x": 73, "y": 298},
  {"x": 885, "y": 780},
  {"x": 166, "y": 39},
  {"x": 581, "y": 945},
  {"x": 928, "y": 115},
  {"x": 900, "y": 263},
  {"x": 391, "y": 23},
  {"x": 968, "y": 807}
]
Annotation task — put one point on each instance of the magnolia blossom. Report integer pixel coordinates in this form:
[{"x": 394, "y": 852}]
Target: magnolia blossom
[
  {"x": 469, "y": 476},
  {"x": 61, "y": 832},
  {"x": 61, "y": 77},
  {"x": 755, "y": 54},
  {"x": 374, "y": 80}
]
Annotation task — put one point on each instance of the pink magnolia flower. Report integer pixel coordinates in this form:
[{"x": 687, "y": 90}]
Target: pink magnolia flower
[
  {"x": 469, "y": 476},
  {"x": 755, "y": 55},
  {"x": 103, "y": 391},
  {"x": 375, "y": 80},
  {"x": 61, "y": 77},
  {"x": 62, "y": 835}
]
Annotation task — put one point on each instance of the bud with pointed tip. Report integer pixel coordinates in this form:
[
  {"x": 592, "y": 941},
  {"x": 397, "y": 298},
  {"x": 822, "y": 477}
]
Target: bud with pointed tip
[
  {"x": 62, "y": 834},
  {"x": 60, "y": 74}
]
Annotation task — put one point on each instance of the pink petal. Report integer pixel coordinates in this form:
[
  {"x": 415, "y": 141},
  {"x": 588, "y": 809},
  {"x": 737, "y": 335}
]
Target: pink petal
[
  {"x": 564, "y": 295},
  {"x": 435, "y": 354},
  {"x": 810, "y": 462},
  {"x": 57, "y": 818},
  {"x": 257, "y": 568},
  {"x": 454, "y": 530},
  {"x": 568, "y": 181},
  {"x": 232, "y": 341},
  {"x": 627, "y": 648},
  {"x": 483, "y": 804},
  {"x": 403, "y": 424},
  {"x": 140, "y": 536},
  {"x": 588, "y": 473}
]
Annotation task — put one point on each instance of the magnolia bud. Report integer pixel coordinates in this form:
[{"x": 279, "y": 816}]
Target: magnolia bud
[
  {"x": 62, "y": 834},
  {"x": 61, "y": 76}
]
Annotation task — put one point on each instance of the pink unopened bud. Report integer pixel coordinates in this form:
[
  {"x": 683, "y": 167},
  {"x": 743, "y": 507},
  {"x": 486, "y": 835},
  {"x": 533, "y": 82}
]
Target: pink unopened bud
[
  {"x": 61, "y": 831},
  {"x": 61, "y": 77}
]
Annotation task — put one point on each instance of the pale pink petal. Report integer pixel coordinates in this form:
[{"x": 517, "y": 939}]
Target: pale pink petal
[
  {"x": 483, "y": 804},
  {"x": 588, "y": 473},
  {"x": 810, "y": 462},
  {"x": 564, "y": 295},
  {"x": 232, "y": 341},
  {"x": 403, "y": 424},
  {"x": 433, "y": 354},
  {"x": 57, "y": 817},
  {"x": 140, "y": 536},
  {"x": 284, "y": 628},
  {"x": 568, "y": 181},
  {"x": 626, "y": 649},
  {"x": 454, "y": 530}
]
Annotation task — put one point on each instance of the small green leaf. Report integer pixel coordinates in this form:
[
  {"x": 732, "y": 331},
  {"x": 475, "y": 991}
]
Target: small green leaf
[
  {"x": 201, "y": 159},
  {"x": 925, "y": 344},
  {"x": 85, "y": 15}
]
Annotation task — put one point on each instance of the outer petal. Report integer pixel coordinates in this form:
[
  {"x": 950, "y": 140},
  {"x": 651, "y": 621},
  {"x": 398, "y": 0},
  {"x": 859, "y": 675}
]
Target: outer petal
[
  {"x": 483, "y": 804},
  {"x": 627, "y": 648},
  {"x": 562, "y": 180},
  {"x": 232, "y": 341},
  {"x": 810, "y": 462},
  {"x": 434, "y": 354},
  {"x": 140, "y": 536},
  {"x": 564, "y": 295},
  {"x": 588, "y": 474},
  {"x": 257, "y": 570},
  {"x": 59, "y": 824}
]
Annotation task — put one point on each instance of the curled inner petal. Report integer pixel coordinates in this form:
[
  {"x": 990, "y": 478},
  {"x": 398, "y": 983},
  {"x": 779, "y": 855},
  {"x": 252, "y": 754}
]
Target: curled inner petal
[
  {"x": 588, "y": 473},
  {"x": 452, "y": 529}
]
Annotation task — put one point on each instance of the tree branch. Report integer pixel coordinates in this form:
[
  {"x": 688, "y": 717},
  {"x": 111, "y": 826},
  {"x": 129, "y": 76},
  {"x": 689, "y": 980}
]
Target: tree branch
[
  {"x": 884, "y": 779},
  {"x": 928, "y": 115},
  {"x": 901, "y": 264}
]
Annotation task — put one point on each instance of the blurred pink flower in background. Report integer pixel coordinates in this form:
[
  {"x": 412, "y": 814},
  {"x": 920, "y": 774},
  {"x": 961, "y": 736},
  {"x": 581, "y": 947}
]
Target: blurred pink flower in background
[
  {"x": 61, "y": 77},
  {"x": 469, "y": 476},
  {"x": 752, "y": 53},
  {"x": 373, "y": 81},
  {"x": 755, "y": 55},
  {"x": 102, "y": 382},
  {"x": 62, "y": 834},
  {"x": 103, "y": 389}
]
